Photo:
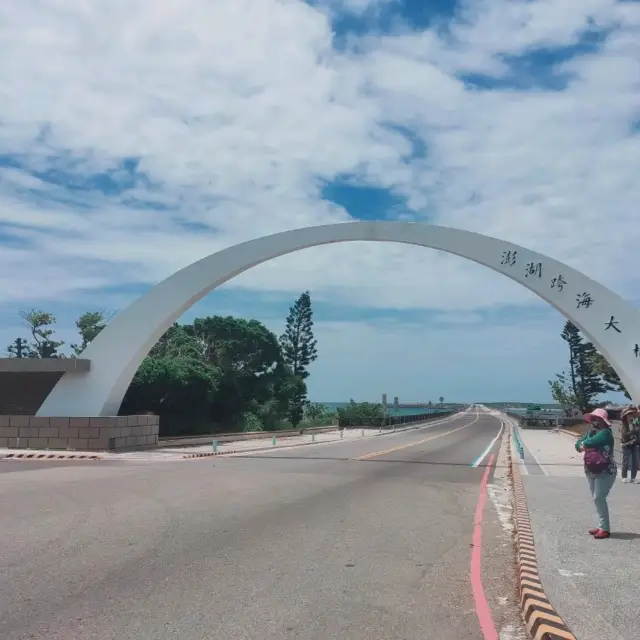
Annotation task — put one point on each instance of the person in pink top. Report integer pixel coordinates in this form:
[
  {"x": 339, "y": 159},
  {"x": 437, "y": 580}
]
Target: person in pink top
[{"x": 599, "y": 466}]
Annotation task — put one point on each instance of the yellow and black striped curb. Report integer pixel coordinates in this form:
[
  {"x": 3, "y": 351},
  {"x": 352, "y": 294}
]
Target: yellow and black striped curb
[
  {"x": 190, "y": 456},
  {"x": 541, "y": 619},
  {"x": 50, "y": 456}
]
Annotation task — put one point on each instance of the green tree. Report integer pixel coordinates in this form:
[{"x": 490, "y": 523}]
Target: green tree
[
  {"x": 252, "y": 422},
  {"x": 179, "y": 390},
  {"x": 361, "y": 412},
  {"x": 441, "y": 400},
  {"x": 316, "y": 411},
  {"x": 299, "y": 350},
  {"x": 89, "y": 325},
  {"x": 297, "y": 403},
  {"x": 19, "y": 348},
  {"x": 561, "y": 391},
  {"x": 40, "y": 326},
  {"x": 299, "y": 346},
  {"x": 607, "y": 373},
  {"x": 236, "y": 345},
  {"x": 178, "y": 342},
  {"x": 582, "y": 384},
  {"x": 254, "y": 376},
  {"x": 272, "y": 396},
  {"x": 217, "y": 373}
]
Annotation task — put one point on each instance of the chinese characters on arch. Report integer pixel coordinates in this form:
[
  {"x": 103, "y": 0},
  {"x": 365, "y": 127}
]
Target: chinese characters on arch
[{"x": 584, "y": 299}]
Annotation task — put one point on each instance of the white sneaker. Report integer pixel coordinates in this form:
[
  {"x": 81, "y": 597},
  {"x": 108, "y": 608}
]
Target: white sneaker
[
  {"x": 625, "y": 481},
  {"x": 632, "y": 481}
]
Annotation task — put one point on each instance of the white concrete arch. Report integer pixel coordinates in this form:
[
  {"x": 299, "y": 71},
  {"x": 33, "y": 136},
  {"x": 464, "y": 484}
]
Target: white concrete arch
[{"x": 118, "y": 351}]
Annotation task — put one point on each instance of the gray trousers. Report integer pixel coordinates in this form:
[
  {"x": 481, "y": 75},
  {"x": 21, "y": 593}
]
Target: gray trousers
[
  {"x": 600, "y": 484},
  {"x": 630, "y": 459}
]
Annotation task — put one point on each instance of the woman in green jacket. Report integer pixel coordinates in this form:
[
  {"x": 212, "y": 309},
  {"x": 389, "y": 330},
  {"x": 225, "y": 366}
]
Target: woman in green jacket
[{"x": 600, "y": 467}]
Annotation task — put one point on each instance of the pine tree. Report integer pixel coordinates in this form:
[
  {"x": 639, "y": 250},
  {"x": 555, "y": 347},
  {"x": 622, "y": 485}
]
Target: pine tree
[
  {"x": 609, "y": 375},
  {"x": 89, "y": 325},
  {"x": 19, "y": 348},
  {"x": 39, "y": 324},
  {"x": 583, "y": 381},
  {"x": 299, "y": 347},
  {"x": 299, "y": 350}
]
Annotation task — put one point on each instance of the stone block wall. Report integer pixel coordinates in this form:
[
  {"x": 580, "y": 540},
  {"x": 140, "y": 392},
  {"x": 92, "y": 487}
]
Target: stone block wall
[{"x": 121, "y": 433}]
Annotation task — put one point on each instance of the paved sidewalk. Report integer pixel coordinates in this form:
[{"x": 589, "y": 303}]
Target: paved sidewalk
[
  {"x": 592, "y": 583},
  {"x": 237, "y": 447},
  {"x": 550, "y": 452}
]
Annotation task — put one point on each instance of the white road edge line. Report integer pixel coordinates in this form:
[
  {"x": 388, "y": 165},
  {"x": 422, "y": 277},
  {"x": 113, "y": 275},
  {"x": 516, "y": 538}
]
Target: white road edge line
[
  {"x": 435, "y": 423},
  {"x": 535, "y": 459},
  {"x": 484, "y": 454}
]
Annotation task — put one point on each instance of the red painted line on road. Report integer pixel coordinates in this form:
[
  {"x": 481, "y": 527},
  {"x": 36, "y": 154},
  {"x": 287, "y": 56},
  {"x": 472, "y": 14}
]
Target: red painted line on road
[{"x": 482, "y": 606}]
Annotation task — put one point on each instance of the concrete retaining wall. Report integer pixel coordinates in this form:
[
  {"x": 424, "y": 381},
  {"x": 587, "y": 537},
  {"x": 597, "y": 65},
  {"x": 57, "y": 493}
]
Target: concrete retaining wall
[{"x": 122, "y": 433}]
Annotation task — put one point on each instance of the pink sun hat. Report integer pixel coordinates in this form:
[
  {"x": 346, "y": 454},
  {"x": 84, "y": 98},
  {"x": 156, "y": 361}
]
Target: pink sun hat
[{"x": 598, "y": 413}]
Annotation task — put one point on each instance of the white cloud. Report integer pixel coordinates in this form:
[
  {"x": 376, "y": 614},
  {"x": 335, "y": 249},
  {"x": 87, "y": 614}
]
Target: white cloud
[
  {"x": 235, "y": 120},
  {"x": 420, "y": 363},
  {"x": 238, "y": 109}
]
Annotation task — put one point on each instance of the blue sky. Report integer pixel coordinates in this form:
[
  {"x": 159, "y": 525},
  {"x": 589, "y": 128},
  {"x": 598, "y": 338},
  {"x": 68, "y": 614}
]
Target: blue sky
[{"x": 138, "y": 137}]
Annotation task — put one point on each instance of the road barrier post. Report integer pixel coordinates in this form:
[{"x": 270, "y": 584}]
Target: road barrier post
[
  {"x": 363, "y": 433},
  {"x": 273, "y": 441},
  {"x": 341, "y": 434},
  {"x": 313, "y": 437},
  {"x": 214, "y": 446}
]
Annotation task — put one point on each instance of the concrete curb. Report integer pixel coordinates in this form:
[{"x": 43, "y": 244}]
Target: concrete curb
[
  {"x": 540, "y": 617},
  {"x": 51, "y": 456},
  {"x": 191, "y": 456}
]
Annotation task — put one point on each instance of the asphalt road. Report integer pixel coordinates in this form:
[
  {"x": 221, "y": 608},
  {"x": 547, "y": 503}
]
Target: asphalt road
[{"x": 308, "y": 543}]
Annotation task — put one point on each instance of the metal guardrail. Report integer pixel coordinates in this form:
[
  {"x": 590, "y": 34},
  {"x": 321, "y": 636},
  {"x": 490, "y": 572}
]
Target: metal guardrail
[
  {"x": 518, "y": 443},
  {"x": 182, "y": 441},
  {"x": 391, "y": 421},
  {"x": 519, "y": 419},
  {"x": 221, "y": 438}
]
